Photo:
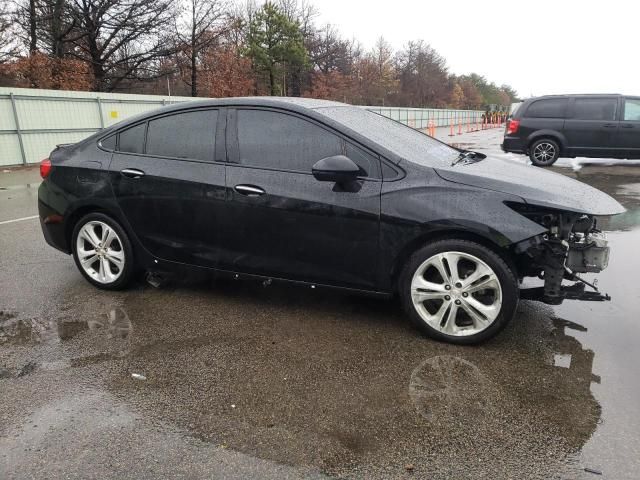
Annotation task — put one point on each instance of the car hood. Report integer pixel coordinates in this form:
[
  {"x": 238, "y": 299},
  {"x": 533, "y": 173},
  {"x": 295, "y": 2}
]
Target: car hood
[{"x": 534, "y": 185}]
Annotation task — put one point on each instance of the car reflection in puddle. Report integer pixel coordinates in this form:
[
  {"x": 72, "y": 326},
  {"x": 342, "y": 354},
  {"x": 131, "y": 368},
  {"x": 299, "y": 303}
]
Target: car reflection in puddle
[
  {"x": 452, "y": 392},
  {"x": 111, "y": 332},
  {"x": 115, "y": 324}
]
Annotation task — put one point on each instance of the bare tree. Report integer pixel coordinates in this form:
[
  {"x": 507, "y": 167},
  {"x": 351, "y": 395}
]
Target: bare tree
[
  {"x": 203, "y": 23},
  {"x": 423, "y": 76},
  {"x": 8, "y": 45},
  {"x": 120, "y": 39}
]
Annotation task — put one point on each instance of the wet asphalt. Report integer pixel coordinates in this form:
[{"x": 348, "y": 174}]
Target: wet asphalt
[{"x": 238, "y": 380}]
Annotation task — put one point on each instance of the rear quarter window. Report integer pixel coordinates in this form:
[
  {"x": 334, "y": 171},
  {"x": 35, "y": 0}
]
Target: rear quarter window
[
  {"x": 108, "y": 143},
  {"x": 131, "y": 140},
  {"x": 547, "y": 108}
]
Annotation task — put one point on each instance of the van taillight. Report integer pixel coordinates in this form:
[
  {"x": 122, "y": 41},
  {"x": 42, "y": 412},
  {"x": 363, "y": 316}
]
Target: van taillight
[
  {"x": 45, "y": 168},
  {"x": 512, "y": 126}
]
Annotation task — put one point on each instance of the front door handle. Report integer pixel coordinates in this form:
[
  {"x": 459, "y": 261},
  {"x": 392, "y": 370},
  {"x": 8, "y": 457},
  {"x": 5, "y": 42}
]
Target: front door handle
[
  {"x": 132, "y": 173},
  {"x": 610, "y": 125},
  {"x": 249, "y": 190},
  {"x": 626, "y": 125}
]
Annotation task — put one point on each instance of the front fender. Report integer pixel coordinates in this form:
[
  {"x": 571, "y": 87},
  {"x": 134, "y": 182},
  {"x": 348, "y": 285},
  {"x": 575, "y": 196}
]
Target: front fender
[{"x": 411, "y": 217}]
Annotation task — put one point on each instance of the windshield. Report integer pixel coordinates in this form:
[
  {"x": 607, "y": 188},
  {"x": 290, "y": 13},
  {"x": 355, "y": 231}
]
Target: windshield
[{"x": 406, "y": 142}]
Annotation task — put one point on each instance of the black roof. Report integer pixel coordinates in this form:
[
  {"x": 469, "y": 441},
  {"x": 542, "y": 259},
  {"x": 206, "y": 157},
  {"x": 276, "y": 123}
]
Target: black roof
[
  {"x": 289, "y": 103},
  {"x": 295, "y": 104},
  {"x": 577, "y": 95}
]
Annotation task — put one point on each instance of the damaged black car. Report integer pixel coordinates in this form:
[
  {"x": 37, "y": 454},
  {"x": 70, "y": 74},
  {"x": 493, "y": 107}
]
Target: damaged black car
[{"x": 324, "y": 194}]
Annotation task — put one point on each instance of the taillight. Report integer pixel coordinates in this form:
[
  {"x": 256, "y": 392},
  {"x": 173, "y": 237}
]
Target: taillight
[
  {"x": 45, "y": 168},
  {"x": 512, "y": 126}
]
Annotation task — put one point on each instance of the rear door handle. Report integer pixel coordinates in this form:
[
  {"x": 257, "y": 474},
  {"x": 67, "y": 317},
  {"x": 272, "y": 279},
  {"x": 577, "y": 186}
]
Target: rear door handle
[
  {"x": 249, "y": 190},
  {"x": 626, "y": 125},
  {"x": 610, "y": 125},
  {"x": 132, "y": 173}
]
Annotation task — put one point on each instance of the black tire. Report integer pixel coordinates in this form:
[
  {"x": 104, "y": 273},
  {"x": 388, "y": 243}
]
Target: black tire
[
  {"x": 504, "y": 274},
  {"x": 544, "y": 152},
  {"x": 126, "y": 273}
]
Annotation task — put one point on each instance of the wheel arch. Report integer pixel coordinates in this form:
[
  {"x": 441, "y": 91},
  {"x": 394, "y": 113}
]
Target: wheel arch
[
  {"x": 401, "y": 259},
  {"x": 547, "y": 134},
  {"x": 72, "y": 218}
]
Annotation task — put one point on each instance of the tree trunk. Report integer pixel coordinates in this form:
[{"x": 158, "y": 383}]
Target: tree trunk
[
  {"x": 33, "y": 28},
  {"x": 96, "y": 65},
  {"x": 57, "y": 47},
  {"x": 194, "y": 52},
  {"x": 272, "y": 82},
  {"x": 194, "y": 74}
]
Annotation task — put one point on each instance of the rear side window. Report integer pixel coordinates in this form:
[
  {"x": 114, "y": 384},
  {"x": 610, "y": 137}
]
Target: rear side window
[
  {"x": 632, "y": 109},
  {"x": 184, "y": 135},
  {"x": 131, "y": 140},
  {"x": 547, "y": 108},
  {"x": 595, "y": 108},
  {"x": 280, "y": 141}
]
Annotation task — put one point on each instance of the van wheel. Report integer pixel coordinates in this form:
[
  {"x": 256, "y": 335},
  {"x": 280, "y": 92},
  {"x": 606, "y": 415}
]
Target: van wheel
[
  {"x": 544, "y": 152},
  {"x": 102, "y": 252},
  {"x": 458, "y": 291}
]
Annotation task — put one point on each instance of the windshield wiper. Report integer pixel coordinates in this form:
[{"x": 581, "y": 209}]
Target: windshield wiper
[{"x": 464, "y": 156}]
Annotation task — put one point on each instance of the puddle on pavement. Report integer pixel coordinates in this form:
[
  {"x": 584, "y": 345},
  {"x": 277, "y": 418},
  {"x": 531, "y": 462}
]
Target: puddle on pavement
[
  {"x": 22, "y": 331},
  {"x": 338, "y": 383},
  {"x": 277, "y": 374},
  {"x": 115, "y": 324},
  {"x": 105, "y": 331}
]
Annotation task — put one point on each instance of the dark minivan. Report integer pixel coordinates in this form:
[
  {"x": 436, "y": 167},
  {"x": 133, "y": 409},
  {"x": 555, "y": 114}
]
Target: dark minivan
[{"x": 597, "y": 126}]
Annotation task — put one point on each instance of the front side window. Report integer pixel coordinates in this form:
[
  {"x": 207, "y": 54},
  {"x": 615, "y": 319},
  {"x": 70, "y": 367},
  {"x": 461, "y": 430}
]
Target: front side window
[
  {"x": 632, "y": 110},
  {"x": 183, "y": 135},
  {"x": 595, "y": 108},
  {"x": 275, "y": 140},
  {"x": 547, "y": 108},
  {"x": 131, "y": 140}
]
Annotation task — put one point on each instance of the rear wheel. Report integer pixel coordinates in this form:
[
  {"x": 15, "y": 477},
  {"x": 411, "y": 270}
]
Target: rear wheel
[
  {"x": 102, "y": 251},
  {"x": 458, "y": 291},
  {"x": 544, "y": 152}
]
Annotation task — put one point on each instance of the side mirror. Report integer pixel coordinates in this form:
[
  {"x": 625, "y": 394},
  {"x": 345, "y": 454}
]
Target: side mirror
[{"x": 338, "y": 169}]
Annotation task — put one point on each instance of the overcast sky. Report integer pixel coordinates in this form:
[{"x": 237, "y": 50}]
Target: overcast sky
[{"x": 538, "y": 47}]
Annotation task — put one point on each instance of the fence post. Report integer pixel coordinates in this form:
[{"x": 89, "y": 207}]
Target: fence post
[
  {"x": 18, "y": 131},
  {"x": 100, "y": 112}
]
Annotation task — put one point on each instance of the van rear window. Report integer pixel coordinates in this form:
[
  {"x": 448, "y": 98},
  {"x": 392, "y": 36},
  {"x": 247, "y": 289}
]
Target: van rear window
[{"x": 547, "y": 108}]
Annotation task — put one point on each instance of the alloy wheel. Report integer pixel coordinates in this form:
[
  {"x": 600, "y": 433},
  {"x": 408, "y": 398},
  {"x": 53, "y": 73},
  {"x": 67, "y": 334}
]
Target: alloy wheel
[
  {"x": 456, "y": 293},
  {"x": 100, "y": 252},
  {"x": 544, "y": 152}
]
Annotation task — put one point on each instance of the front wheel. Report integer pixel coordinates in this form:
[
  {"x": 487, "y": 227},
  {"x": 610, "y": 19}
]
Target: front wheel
[
  {"x": 458, "y": 291},
  {"x": 102, "y": 251},
  {"x": 544, "y": 152}
]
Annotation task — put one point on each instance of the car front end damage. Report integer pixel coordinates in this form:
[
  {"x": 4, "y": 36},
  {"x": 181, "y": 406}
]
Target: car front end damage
[{"x": 572, "y": 245}]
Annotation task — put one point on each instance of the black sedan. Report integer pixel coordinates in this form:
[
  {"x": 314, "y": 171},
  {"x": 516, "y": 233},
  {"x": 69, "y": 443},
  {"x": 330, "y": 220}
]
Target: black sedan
[{"x": 323, "y": 194}]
